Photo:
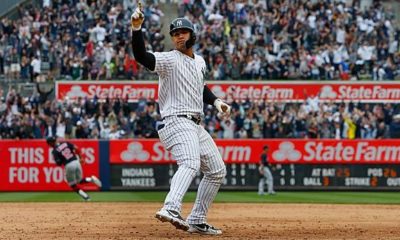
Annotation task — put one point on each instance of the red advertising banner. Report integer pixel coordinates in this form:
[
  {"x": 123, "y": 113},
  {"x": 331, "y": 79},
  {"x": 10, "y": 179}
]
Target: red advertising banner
[
  {"x": 281, "y": 151},
  {"x": 275, "y": 91},
  {"x": 28, "y": 165},
  {"x": 133, "y": 91}
]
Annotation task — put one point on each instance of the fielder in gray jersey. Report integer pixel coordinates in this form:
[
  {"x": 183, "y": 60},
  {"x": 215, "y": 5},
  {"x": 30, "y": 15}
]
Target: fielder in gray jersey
[
  {"x": 181, "y": 95},
  {"x": 265, "y": 174}
]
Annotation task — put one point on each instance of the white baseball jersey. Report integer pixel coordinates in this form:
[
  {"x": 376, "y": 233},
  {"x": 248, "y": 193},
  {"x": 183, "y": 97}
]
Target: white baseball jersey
[{"x": 181, "y": 83}]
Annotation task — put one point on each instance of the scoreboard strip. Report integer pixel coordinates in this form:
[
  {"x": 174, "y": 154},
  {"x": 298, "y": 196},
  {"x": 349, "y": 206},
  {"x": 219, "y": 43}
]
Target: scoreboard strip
[{"x": 286, "y": 177}]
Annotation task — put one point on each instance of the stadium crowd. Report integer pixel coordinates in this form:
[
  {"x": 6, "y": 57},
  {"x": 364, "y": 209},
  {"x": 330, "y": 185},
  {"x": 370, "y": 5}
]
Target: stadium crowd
[
  {"x": 292, "y": 39},
  {"x": 255, "y": 39},
  {"x": 75, "y": 40},
  {"x": 38, "y": 116}
]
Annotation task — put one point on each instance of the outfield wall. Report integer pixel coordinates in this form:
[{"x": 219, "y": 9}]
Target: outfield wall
[{"x": 144, "y": 164}]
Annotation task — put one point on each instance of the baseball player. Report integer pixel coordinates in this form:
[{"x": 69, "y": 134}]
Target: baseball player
[
  {"x": 69, "y": 155},
  {"x": 265, "y": 174},
  {"x": 181, "y": 95}
]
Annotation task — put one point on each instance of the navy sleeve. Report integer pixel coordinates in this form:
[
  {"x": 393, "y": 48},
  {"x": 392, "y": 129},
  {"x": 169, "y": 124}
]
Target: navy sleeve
[
  {"x": 57, "y": 158},
  {"x": 208, "y": 96},
  {"x": 264, "y": 159},
  {"x": 139, "y": 51},
  {"x": 71, "y": 146}
]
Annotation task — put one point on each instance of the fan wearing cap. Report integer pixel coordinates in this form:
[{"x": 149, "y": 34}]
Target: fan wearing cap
[
  {"x": 181, "y": 97},
  {"x": 68, "y": 155}
]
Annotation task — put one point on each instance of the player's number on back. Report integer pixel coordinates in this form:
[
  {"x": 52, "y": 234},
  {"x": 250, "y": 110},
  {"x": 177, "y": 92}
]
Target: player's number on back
[{"x": 66, "y": 152}]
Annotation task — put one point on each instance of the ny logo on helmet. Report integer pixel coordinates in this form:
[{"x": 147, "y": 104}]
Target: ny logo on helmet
[{"x": 179, "y": 23}]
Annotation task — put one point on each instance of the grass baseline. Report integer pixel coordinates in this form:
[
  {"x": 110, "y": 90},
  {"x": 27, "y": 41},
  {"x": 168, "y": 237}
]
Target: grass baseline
[{"x": 326, "y": 197}]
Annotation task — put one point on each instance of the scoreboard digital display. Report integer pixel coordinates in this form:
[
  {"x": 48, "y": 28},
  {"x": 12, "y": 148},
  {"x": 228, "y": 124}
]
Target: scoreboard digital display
[
  {"x": 339, "y": 177},
  {"x": 286, "y": 177}
]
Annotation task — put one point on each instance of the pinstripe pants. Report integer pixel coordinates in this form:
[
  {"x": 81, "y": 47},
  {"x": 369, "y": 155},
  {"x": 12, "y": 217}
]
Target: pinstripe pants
[{"x": 194, "y": 150}]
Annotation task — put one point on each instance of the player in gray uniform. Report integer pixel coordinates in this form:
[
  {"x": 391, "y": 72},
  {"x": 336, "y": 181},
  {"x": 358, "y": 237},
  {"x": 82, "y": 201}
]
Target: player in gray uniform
[
  {"x": 181, "y": 95},
  {"x": 265, "y": 174},
  {"x": 67, "y": 154}
]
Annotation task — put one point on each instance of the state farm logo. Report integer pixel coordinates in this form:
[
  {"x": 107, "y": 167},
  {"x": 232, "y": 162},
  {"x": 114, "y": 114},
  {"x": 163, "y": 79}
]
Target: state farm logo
[
  {"x": 328, "y": 92},
  {"x": 76, "y": 91},
  {"x": 338, "y": 152},
  {"x": 109, "y": 90},
  {"x": 257, "y": 91},
  {"x": 286, "y": 151},
  {"x": 370, "y": 92},
  {"x": 134, "y": 152}
]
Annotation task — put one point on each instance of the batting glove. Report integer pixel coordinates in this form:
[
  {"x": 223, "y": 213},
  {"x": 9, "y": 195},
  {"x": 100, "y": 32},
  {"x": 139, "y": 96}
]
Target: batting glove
[
  {"x": 223, "y": 108},
  {"x": 137, "y": 18}
]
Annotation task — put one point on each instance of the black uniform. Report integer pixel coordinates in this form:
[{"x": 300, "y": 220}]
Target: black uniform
[
  {"x": 264, "y": 159},
  {"x": 64, "y": 153}
]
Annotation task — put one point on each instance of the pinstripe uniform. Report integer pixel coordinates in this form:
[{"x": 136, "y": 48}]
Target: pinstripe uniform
[
  {"x": 181, "y": 95},
  {"x": 181, "y": 83}
]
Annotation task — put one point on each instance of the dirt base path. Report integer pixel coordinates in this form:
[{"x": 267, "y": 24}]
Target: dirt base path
[{"x": 238, "y": 221}]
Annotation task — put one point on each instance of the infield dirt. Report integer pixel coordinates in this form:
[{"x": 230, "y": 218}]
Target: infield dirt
[{"x": 238, "y": 221}]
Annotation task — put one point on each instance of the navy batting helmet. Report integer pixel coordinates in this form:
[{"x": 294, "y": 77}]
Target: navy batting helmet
[
  {"x": 50, "y": 140},
  {"x": 183, "y": 23}
]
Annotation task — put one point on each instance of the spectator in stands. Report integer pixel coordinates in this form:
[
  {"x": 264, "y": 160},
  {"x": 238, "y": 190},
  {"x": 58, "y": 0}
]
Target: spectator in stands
[
  {"x": 270, "y": 29},
  {"x": 81, "y": 130},
  {"x": 228, "y": 128},
  {"x": 36, "y": 69},
  {"x": 15, "y": 66},
  {"x": 395, "y": 127},
  {"x": 63, "y": 37}
]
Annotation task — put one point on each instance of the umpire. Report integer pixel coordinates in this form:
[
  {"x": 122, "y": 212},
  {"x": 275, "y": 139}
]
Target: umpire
[{"x": 265, "y": 174}]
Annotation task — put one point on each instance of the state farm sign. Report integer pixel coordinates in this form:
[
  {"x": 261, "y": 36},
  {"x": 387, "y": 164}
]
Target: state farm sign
[
  {"x": 103, "y": 90},
  {"x": 331, "y": 151},
  {"x": 281, "y": 151},
  {"x": 277, "y": 91},
  {"x": 368, "y": 92},
  {"x": 253, "y": 91},
  {"x": 153, "y": 152},
  {"x": 300, "y": 91}
]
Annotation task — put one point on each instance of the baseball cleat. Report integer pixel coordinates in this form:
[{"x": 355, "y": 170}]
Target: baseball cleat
[
  {"x": 172, "y": 217},
  {"x": 96, "y": 181},
  {"x": 87, "y": 199},
  {"x": 205, "y": 229}
]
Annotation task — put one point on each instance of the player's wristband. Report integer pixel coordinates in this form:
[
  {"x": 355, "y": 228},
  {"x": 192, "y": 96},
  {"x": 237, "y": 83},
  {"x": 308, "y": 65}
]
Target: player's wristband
[
  {"x": 217, "y": 102},
  {"x": 136, "y": 29}
]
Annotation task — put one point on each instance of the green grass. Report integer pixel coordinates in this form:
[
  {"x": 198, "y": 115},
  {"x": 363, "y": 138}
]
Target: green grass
[{"x": 225, "y": 196}]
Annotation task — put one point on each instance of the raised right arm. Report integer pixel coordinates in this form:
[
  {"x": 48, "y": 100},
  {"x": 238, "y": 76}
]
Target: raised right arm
[{"x": 145, "y": 58}]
